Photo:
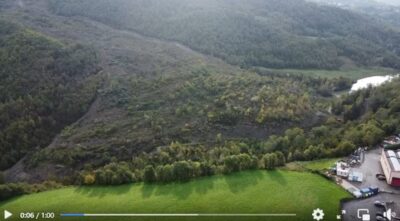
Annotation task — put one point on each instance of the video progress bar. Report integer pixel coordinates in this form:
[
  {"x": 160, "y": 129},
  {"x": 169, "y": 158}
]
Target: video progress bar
[{"x": 176, "y": 215}]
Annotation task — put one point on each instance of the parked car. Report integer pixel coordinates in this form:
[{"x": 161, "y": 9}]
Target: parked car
[
  {"x": 380, "y": 176},
  {"x": 374, "y": 190},
  {"x": 370, "y": 191},
  {"x": 380, "y": 204}
]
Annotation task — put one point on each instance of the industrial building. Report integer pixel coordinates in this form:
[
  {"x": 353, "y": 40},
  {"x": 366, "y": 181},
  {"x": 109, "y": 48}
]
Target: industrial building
[{"x": 390, "y": 162}]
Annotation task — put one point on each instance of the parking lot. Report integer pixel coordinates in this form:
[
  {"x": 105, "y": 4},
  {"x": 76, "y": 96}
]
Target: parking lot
[{"x": 369, "y": 168}]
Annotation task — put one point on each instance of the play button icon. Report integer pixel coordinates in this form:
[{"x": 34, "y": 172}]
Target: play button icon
[{"x": 7, "y": 214}]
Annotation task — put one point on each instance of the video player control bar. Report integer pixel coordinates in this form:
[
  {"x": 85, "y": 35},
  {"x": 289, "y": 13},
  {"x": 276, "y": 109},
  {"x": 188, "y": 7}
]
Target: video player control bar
[{"x": 173, "y": 215}]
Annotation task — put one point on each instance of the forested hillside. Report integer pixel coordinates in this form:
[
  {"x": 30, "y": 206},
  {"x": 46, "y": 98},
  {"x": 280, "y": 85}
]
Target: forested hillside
[
  {"x": 272, "y": 33},
  {"x": 44, "y": 85},
  {"x": 167, "y": 113},
  {"x": 363, "y": 118},
  {"x": 201, "y": 109},
  {"x": 384, "y": 11}
]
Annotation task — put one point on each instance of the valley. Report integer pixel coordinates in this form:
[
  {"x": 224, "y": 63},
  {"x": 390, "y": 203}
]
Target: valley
[
  {"x": 149, "y": 77},
  {"x": 204, "y": 107}
]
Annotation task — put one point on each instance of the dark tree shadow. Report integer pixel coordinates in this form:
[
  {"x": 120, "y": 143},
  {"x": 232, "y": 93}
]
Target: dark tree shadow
[
  {"x": 276, "y": 176},
  {"x": 102, "y": 191},
  {"x": 238, "y": 182},
  {"x": 148, "y": 190},
  {"x": 182, "y": 190}
]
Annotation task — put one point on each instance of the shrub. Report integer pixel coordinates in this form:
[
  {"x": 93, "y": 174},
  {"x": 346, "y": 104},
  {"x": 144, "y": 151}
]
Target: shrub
[
  {"x": 1, "y": 178},
  {"x": 182, "y": 171},
  {"x": 113, "y": 174},
  {"x": 10, "y": 190},
  {"x": 89, "y": 179},
  {"x": 149, "y": 174}
]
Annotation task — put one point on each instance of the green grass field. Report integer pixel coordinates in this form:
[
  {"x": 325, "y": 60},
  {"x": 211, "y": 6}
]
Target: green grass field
[
  {"x": 320, "y": 164},
  {"x": 311, "y": 165},
  {"x": 246, "y": 192},
  {"x": 355, "y": 73}
]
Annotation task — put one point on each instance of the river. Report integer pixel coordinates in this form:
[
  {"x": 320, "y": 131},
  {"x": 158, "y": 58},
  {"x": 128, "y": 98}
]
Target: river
[{"x": 373, "y": 81}]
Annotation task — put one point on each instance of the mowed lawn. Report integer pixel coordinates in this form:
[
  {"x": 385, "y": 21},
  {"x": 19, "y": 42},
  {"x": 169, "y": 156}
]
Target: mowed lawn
[
  {"x": 312, "y": 165},
  {"x": 245, "y": 192},
  {"x": 320, "y": 164}
]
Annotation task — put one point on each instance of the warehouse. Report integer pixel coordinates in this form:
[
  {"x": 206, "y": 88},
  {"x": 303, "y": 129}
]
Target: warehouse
[{"x": 390, "y": 162}]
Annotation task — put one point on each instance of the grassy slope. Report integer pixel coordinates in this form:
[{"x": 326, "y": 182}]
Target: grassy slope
[
  {"x": 312, "y": 165},
  {"x": 355, "y": 73},
  {"x": 246, "y": 192},
  {"x": 320, "y": 164}
]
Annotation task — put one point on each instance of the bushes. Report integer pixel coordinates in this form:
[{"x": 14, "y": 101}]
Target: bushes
[
  {"x": 239, "y": 162},
  {"x": 8, "y": 191},
  {"x": 1, "y": 178},
  {"x": 207, "y": 169},
  {"x": 182, "y": 171},
  {"x": 180, "y": 162},
  {"x": 229, "y": 118},
  {"x": 231, "y": 164},
  {"x": 165, "y": 173},
  {"x": 15, "y": 189},
  {"x": 149, "y": 174},
  {"x": 89, "y": 179},
  {"x": 111, "y": 174},
  {"x": 344, "y": 148},
  {"x": 273, "y": 160},
  {"x": 313, "y": 152},
  {"x": 178, "y": 171}
]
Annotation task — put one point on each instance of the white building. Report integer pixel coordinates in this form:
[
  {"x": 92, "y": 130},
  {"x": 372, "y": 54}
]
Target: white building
[
  {"x": 390, "y": 162},
  {"x": 342, "y": 169},
  {"x": 355, "y": 176}
]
